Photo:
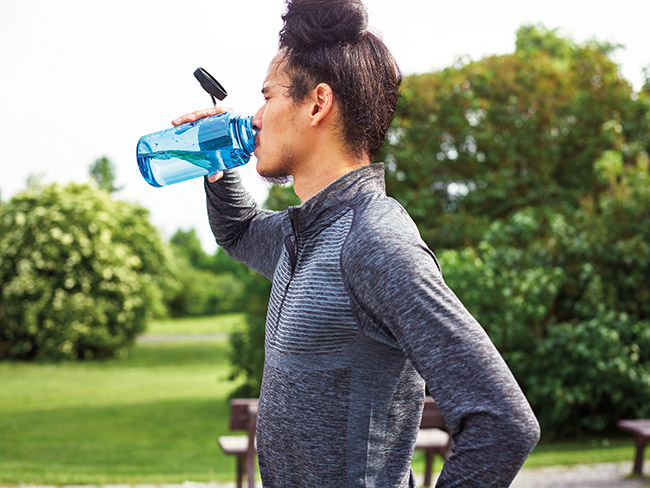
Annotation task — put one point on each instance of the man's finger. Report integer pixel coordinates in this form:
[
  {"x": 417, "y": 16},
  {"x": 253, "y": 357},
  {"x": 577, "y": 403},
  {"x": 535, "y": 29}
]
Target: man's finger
[
  {"x": 199, "y": 114},
  {"x": 215, "y": 176}
]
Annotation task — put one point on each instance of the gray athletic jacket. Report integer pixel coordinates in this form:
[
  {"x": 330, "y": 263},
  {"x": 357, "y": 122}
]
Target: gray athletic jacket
[{"x": 358, "y": 316}]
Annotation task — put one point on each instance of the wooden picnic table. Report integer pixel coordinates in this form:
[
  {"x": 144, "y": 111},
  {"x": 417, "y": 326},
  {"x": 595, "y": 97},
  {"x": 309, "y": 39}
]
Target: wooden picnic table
[
  {"x": 243, "y": 416},
  {"x": 640, "y": 428}
]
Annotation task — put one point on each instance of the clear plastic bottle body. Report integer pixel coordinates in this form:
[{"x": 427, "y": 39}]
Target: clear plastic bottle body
[{"x": 196, "y": 149}]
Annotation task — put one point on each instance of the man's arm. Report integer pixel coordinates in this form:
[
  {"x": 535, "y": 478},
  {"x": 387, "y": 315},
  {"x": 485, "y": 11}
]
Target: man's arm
[
  {"x": 396, "y": 286},
  {"x": 246, "y": 232}
]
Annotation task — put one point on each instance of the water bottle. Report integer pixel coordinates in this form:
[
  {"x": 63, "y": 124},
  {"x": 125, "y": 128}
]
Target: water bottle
[{"x": 198, "y": 148}]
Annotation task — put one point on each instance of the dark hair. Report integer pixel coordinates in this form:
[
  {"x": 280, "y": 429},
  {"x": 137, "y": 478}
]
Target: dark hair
[{"x": 327, "y": 41}]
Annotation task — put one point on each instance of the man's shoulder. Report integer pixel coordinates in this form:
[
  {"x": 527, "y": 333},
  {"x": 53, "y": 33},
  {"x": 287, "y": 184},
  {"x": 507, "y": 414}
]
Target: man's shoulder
[
  {"x": 381, "y": 231},
  {"x": 382, "y": 217},
  {"x": 384, "y": 244}
]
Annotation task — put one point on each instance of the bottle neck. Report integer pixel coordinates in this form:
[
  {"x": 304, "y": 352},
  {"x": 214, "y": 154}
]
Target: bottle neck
[{"x": 244, "y": 133}]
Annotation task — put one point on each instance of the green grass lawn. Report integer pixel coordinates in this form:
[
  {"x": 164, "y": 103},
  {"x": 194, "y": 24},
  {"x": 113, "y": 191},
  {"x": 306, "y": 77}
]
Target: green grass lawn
[
  {"x": 565, "y": 453},
  {"x": 154, "y": 417},
  {"x": 197, "y": 325},
  {"x": 606, "y": 450}
]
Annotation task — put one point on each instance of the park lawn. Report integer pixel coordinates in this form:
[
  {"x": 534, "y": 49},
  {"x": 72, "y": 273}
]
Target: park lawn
[
  {"x": 586, "y": 451},
  {"x": 224, "y": 324},
  {"x": 151, "y": 418},
  {"x": 155, "y": 417}
]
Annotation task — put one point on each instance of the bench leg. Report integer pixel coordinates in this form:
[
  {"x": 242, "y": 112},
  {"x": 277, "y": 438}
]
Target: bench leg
[
  {"x": 428, "y": 467},
  {"x": 250, "y": 468},
  {"x": 638, "y": 461},
  {"x": 240, "y": 469}
]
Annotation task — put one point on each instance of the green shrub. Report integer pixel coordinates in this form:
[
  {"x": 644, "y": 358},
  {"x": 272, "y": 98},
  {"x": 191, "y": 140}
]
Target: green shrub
[
  {"x": 79, "y": 274},
  {"x": 564, "y": 298},
  {"x": 202, "y": 292},
  {"x": 247, "y": 345},
  {"x": 586, "y": 375},
  {"x": 208, "y": 284}
]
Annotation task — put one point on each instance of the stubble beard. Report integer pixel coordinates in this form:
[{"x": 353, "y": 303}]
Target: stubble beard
[{"x": 282, "y": 173}]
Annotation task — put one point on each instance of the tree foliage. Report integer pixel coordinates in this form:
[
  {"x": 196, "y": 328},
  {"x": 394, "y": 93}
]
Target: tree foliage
[
  {"x": 188, "y": 244},
  {"x": 205, "y": 287},
  {"x": 79, "y": 274},
  {"x": 247, "y": 345},
  {"x": 480, "y": 140},
  {"x": 566, "y": 299},
  {"x": 102, "y": 171}
]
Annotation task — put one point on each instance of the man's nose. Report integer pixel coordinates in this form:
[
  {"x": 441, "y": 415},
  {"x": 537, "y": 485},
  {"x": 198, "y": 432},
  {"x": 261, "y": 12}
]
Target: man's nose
[{"x": 257, "y": 118}]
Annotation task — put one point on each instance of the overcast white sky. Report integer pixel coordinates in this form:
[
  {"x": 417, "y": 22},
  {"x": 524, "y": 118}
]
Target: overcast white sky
[{"x": 83, "y": 79}]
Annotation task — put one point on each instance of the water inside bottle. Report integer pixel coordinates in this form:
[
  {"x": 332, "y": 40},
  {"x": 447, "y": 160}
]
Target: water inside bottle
[{"x": 160, "y": 168}]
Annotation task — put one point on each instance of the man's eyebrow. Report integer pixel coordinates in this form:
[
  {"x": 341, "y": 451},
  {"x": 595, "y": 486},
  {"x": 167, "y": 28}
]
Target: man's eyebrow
[{"x": 265, "y": 89}]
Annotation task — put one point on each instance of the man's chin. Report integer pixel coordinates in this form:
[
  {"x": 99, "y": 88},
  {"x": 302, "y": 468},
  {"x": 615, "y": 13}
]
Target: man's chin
[
  {"x": 274, "y": 177},
  {"x": 276, "y": 180}
]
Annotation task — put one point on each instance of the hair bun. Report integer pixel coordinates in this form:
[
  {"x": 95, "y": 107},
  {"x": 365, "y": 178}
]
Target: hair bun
[{"x": 310, "y": 23}]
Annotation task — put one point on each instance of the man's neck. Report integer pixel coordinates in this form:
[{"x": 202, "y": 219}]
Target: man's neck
[
  {"x": 325, "y": 156},
  {"x": 316, "y": 176}
]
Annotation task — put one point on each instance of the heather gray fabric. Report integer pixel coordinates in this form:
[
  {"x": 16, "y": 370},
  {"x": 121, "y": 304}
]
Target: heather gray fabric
[{"x": 358, "y": 315}]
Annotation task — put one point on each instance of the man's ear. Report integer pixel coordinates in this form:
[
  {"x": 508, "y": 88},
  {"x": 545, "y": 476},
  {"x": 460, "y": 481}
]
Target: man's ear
[{"x": 322, "y": 103}]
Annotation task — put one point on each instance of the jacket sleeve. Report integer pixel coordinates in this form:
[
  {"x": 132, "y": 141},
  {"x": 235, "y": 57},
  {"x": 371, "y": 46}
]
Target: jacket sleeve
[
  {"x": 246, "y": 232},
  {"x": 397, "y": 291}
]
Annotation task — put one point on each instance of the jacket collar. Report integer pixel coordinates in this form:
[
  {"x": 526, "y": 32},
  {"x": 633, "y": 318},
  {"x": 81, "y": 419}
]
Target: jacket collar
[{"x": 325, "y": 206}]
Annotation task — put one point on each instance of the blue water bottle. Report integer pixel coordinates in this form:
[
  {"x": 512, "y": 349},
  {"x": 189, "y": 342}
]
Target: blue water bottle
[
  {"x": 198, "y": 148},
  {"x": 216, "y": 143}
]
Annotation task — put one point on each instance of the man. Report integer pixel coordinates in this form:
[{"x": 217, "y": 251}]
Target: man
[{"x": 359, "y": 316}]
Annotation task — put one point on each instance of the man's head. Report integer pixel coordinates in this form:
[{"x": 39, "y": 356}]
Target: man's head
[
  {"x": 330, "y": 92},
  {"x": 327, "y": 41}
]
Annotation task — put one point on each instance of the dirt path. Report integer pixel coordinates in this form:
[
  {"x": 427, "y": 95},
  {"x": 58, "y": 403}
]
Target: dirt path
[
  {"x": 144, "y": 338},
  {"x": 607, "y": 475}
]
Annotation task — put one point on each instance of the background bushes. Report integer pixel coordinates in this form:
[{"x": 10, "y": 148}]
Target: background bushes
[
  {"x": 79, "y": 274},
  {"x": 566, "y": 310}
]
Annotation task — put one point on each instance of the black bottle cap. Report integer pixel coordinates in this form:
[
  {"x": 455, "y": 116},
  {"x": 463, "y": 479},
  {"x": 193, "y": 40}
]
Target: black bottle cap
[{"x": 209, "y": 84}]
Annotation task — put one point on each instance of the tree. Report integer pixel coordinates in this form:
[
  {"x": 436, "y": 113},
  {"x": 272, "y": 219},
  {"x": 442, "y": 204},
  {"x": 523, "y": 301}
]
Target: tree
[
  {"x": 202, "y": 292},
  {"x": 247, "y": 345},
  {"x": 480, "y": 140},
  {"x": 208, "y": 284},
  {"x": 566, "y": 299},
  {"x": 103, "y": 172},
  {"x": 79, "y": 274},
  {"x": 188, "y": 244},
  {"x": 281, "y": 197}
]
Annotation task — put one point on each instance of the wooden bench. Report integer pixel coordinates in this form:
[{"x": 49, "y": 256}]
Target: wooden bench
[
  {"x": 243, "y": 416},
  {"x": 641, "y": 431},
  {"x": 433, "y": 438}
]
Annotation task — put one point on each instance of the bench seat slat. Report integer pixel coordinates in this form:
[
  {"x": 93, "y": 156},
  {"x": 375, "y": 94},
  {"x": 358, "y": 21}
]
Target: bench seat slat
[{"x": 234, "y": 444}]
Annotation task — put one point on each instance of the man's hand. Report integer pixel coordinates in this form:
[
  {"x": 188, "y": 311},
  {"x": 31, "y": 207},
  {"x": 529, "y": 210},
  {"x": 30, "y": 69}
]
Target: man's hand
[{"x": 200, "y": 114}]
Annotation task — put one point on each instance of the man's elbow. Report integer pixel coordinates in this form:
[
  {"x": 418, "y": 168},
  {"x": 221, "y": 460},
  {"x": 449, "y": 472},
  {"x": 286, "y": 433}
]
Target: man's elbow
[{"x": 523, "y": 432}]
